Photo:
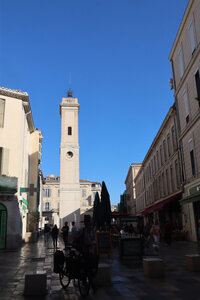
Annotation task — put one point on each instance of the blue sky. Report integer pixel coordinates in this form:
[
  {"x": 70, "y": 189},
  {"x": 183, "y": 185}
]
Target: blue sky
[{"x": 117, "y": 53}]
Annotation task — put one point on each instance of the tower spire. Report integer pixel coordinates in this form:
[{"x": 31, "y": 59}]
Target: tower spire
[{"x": 69, "y": 93}]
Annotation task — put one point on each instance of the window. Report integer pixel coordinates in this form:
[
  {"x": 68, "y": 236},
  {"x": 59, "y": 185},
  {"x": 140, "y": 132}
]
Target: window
[
  {"x": 160, "y": 186},
  {"x": 174, "y": 140},
  {"x": 47, "y": 193},
  {"x": 180, "y": 59},
  {"x": 83, "y": 192},
  {"x": 185, "y": 100},
  {"x": 163, "y": 184},
  {"x": 161, "y": 160},
  {"x": 69, "y": 130},
  {"x": 172, "y": 179},
  {"x": 47, "y": 206},
  {"x": 167, "y": 181},
  {"x": 154, "y": 163},
  {"x": 4, "y": 161},
  {"x": 168, "y": 145},
  {"x": 58, "y": 192},
  {"x": 192, "y": 160},
  {"x": 197, "y": 79},
  {"x": 164, "y": 147},
  {"x": 2, "y": 112},
  {"x": 177, "y": 174},
  {"x": 84, "y": 203},
  {"x": 158, "y": 163},
  {"x": 192, "y": 36}
]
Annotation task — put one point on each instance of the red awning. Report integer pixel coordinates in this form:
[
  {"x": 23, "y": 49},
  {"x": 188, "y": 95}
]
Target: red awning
[{"x": 158, "y": 206}]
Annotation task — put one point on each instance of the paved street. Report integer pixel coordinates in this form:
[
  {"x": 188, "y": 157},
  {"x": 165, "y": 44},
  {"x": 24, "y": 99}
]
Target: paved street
[{"x": 128, "y": 281}]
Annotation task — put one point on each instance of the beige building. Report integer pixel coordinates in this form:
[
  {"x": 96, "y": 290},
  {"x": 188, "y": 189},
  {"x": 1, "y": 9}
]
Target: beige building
[
  {"x": 130, "y": 188},
  {"x": 51, "y": 199},
  {"x": 158, "y": 182},
  {"x": 88, "y": 189},
  {"x": 185, "y": 61},
  {"x": 20, "y": 155}
]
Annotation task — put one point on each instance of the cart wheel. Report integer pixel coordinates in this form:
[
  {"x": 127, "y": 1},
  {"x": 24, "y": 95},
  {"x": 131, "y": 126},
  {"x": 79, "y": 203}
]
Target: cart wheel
[
  {"x": 83, "y": 284},
  {"x": 64, "y": 277}
]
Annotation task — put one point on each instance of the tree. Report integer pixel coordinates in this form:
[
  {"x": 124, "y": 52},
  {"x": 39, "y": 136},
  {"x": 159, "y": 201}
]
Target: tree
[
  {"x": 106, "y": 214},
  {"x": 97, "y": 211}
]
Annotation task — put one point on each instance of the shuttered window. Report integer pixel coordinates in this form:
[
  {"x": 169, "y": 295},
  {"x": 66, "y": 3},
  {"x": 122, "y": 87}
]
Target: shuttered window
[
  {"x": 2, "y": 112},
  {"x": 180, "y": 59},
  {"x": 197, "y": 80},
  {"x": 192, "y": 160},
  {"x": 192, "y": 36},
  {"x": 4, "y": 161},
  {"x": 185, "y": 101}
]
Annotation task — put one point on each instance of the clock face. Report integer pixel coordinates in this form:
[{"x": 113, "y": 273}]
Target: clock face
[{"x": 69, "y": 154}]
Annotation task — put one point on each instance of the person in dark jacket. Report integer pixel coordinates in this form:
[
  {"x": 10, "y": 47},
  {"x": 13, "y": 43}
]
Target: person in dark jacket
[
  {"x": 54, "y": 234},
  {"x": 65, "y": 234}
]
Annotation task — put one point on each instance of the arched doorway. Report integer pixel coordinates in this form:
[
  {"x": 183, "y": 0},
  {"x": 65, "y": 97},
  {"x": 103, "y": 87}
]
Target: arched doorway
[{"x": 3, "y": 224}]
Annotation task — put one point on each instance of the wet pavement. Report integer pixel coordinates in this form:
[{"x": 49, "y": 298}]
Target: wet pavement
[{"x": 128, "y": 281}]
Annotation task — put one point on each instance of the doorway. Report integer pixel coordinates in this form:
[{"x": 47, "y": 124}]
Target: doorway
[{"x": 3, "y": 226}]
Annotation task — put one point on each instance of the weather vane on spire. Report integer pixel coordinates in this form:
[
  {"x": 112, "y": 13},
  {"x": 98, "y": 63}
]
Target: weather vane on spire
[{"x": 69, "y": 94}]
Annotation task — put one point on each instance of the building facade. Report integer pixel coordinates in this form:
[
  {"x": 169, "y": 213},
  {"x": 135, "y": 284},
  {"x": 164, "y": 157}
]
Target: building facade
[
  {"x": 51, "y": 199},
  {"x": 69, "y": 161},
  {"x": 158, "y": 183},
  {"x": 130, "y": 188},
  {"x": 88, "y": 189},
  {"x": 19, "y": 168},
  {"x": 185, "y": 62}
]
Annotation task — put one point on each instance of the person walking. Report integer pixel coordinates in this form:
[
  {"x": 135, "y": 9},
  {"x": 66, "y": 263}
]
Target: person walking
[
  {"x": 156, "y": 233},
  {"x": 73, "y": 231},
  {"x": 65, "y": 234},
  {"x": 85, "y": 242},
  {"x": 54, "y": 235},
  {"x": 46, "y": 233}
]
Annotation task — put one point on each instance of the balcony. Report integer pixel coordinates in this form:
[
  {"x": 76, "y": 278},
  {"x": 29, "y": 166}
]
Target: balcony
[{"x": 8, "y": 185}]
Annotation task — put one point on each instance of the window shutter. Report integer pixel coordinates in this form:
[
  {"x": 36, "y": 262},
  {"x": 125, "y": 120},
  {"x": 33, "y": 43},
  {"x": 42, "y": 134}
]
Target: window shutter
[
  {"x": 192, "y": 36},
  {"x": 43, "y": 206},
  {"x": 5, "y": 161},
  {"x": 185, "y": 100},
  {"x": 2, "y": 112},
  {"x": 49, "y": 205},
  {"x": 180, "y": 58},
  {"x": 190, "y": 142}
]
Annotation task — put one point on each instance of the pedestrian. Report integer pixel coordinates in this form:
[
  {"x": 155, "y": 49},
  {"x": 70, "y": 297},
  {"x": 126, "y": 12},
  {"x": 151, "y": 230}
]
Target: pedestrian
[
  {"x": 46, "y": 233},
  {"x": 54, "y": 234},
  {"x": 146, "y": 232},
  {"x": 85, "y": 242},
  {"x": 168, "y": 232},
  {"x": 65, "y": 234},
  {"x": 73, "y": 231},
  {"x": 156, "y": 233}
]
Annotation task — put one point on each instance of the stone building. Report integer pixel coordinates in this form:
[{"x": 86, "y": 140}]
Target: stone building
[
  {"x": 88, "y": 190},
  {"x": 185, "y": 62},
  {"x": 51, "y": 199},
  {"x": 20, "y": 157},
  {"x": 130, "y": 188},
  {"x": 158, "y": 183}
]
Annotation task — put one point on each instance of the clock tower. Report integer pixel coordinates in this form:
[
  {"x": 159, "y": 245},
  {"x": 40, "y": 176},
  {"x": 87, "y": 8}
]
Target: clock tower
[{"x": 69, "y": 161}]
